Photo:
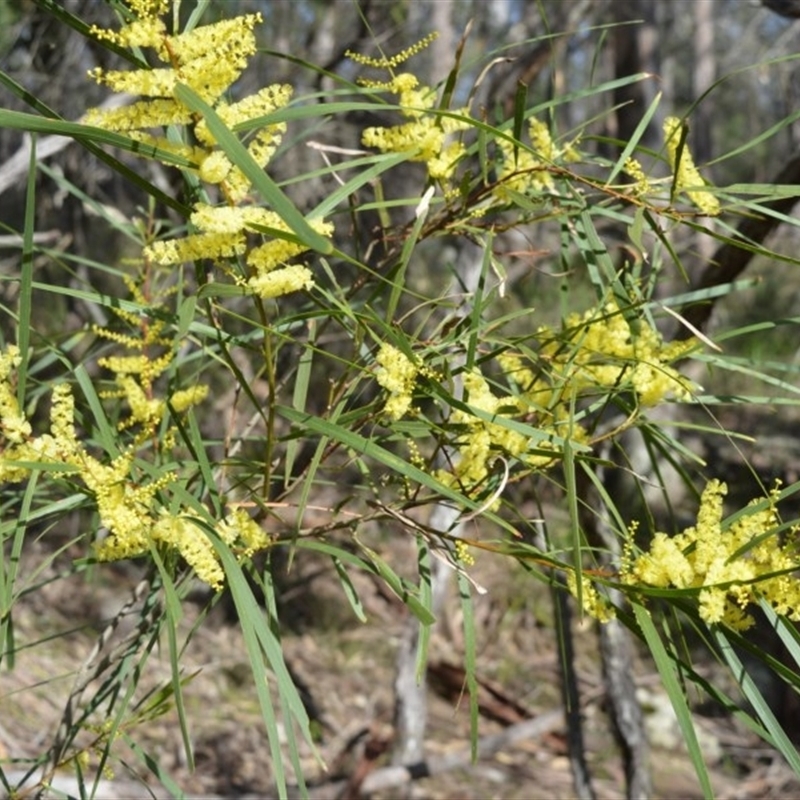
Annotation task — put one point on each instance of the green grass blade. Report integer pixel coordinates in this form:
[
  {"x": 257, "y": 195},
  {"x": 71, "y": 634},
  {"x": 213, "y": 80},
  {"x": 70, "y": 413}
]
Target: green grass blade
[
  {"x": 174, "y": 613},
  {"x": 350, "y": 591},
  {"x": 268, "y": 189},
  {"x": 26, "y": 279},
  {"x": 779, "y": 739},
  {"x": 32, "y": 123},
  {"x": 302, "y": 382},
  {"x": 401, "y": 588},
  {"x": 669, "y": 679},
  {"x": 426, "y": 599},
  {"x": 105, "y": 431},
  {"x": 264, "y": 650},
  {"x": 631, "y": 146},
  {"x": 470, "y": 661},
  {"x": 360, "y": 444},
  {"x": 9, "y": 566}
]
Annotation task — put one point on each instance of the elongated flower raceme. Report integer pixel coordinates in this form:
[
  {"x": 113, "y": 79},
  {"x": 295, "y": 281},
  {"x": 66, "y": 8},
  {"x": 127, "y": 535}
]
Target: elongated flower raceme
[
  {"x": 15, "y": 428},
  {"x": 605, "y": 352},
  {"x": 130, "y": 502},
  {"x": 132, "y": 488},
  {"x": 733, "y": 566},
  {"x": 687, "y": 176},
  {"x": 524, "y": 170},
  {"x": 208, "y": 60},
  {"x": 223, "y": 234},
  {"x": 397, "y": 374},
  {"x": 600, "y": 351},
  {"x": 426, "y": 136}
]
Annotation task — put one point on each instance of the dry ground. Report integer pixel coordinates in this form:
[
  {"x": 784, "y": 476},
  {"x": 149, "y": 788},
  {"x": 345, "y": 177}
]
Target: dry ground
[{"x": 347, "y": 669}]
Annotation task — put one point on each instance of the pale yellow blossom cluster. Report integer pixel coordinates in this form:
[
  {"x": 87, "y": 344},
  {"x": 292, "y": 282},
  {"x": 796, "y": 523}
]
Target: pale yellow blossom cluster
[
  {"x": 397, "y": 374},
  {"x": 523, "y": 170},
  {"x": 686, "y": 175},
  {"x": 481, "y": 441},
  {"x": 600, "y": 350},
  {"x": 15, "y": 427},
  {"x": 239, "y": 531},
  {"x": 462, "y": 553},
  {"x": 223, "y": 234},
  {"x": 732, "y": 565},
  {"x": 390, "y": 62},
  {"x": 604, "y": 351},
  {"x": 593, "y": 603},
  {"x": 143, "y": 29},
  {"x": 133, "y": 504},
  {"x": 641, "y": 185},
  {"x": 130, "y": 511},
  {"x": 427, "y": 136},
  {"x": 208, "y": 59}
]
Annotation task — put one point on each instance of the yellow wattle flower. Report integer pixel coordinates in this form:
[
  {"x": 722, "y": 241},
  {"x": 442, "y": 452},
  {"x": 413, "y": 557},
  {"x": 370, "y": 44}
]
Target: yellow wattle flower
[{"x": 687, "y": 176}]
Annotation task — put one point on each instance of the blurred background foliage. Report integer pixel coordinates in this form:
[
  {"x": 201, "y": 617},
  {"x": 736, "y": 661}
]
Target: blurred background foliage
[
  {"x": 729, "y": 66},
  {"x": 741, "y": 49}
]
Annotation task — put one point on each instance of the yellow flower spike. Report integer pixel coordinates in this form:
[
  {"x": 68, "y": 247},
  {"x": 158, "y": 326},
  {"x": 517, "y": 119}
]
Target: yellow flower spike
[
  {"x": 462, "y": 553},
  {"x": 62, "y": 420},
  {"x": 479, "y": 444},
  {"x": 606, "y": 353},
  {"x": 279, "y": 282},
  {"x": 240, "y": 527},
  {"x": 384, "y": 62},
  {"x": 145, "y": 31},
  {"x": 541, "y": 141},
  {"x": 397, "y": 374},
  {"x": 145, "y": 82},
  {"x": 414, "y": 455},
  {"x": 142, "y": 114},
  {"x": 209, "y": 59},
  {"x": 715, "y": 560},
  {"x": 277, "y": 252},
  {"x": 521, "y": 175},
  {"x": 144, "y": 410},
  {"x": 641, "y": 185},
  {"x": 514, "y": 367},
  {"x": 236, "y": 186},
  {"x": 9, "y": 361},
  {"x": 10, "y": 472},
  {"x": 687, "y": 176},
  {"x": 193, "y": 544},
  {"x": 147, "y": 368},
  {"x": 264, "y": 102},
  {"x": 215, "y": 167},
  {"x": 197, "y": 246},
  {"x": 594, "y": 604},
  {"x": 522, "y": 170},
  {"x": 184, "y": 399},
  {"x": 13, "y": 423},
  {"x": 227, "y": 39},
  {"x": 425, "y": 137}
]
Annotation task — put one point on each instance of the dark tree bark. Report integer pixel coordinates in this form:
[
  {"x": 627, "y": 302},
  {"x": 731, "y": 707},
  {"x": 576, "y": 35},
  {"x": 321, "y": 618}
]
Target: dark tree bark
[
  {"x": 634, "y": 43},
  {"x": 786, "y": 8},
  {"x": 731, "y": 258},
  {"x": 703, "y": 78}
]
